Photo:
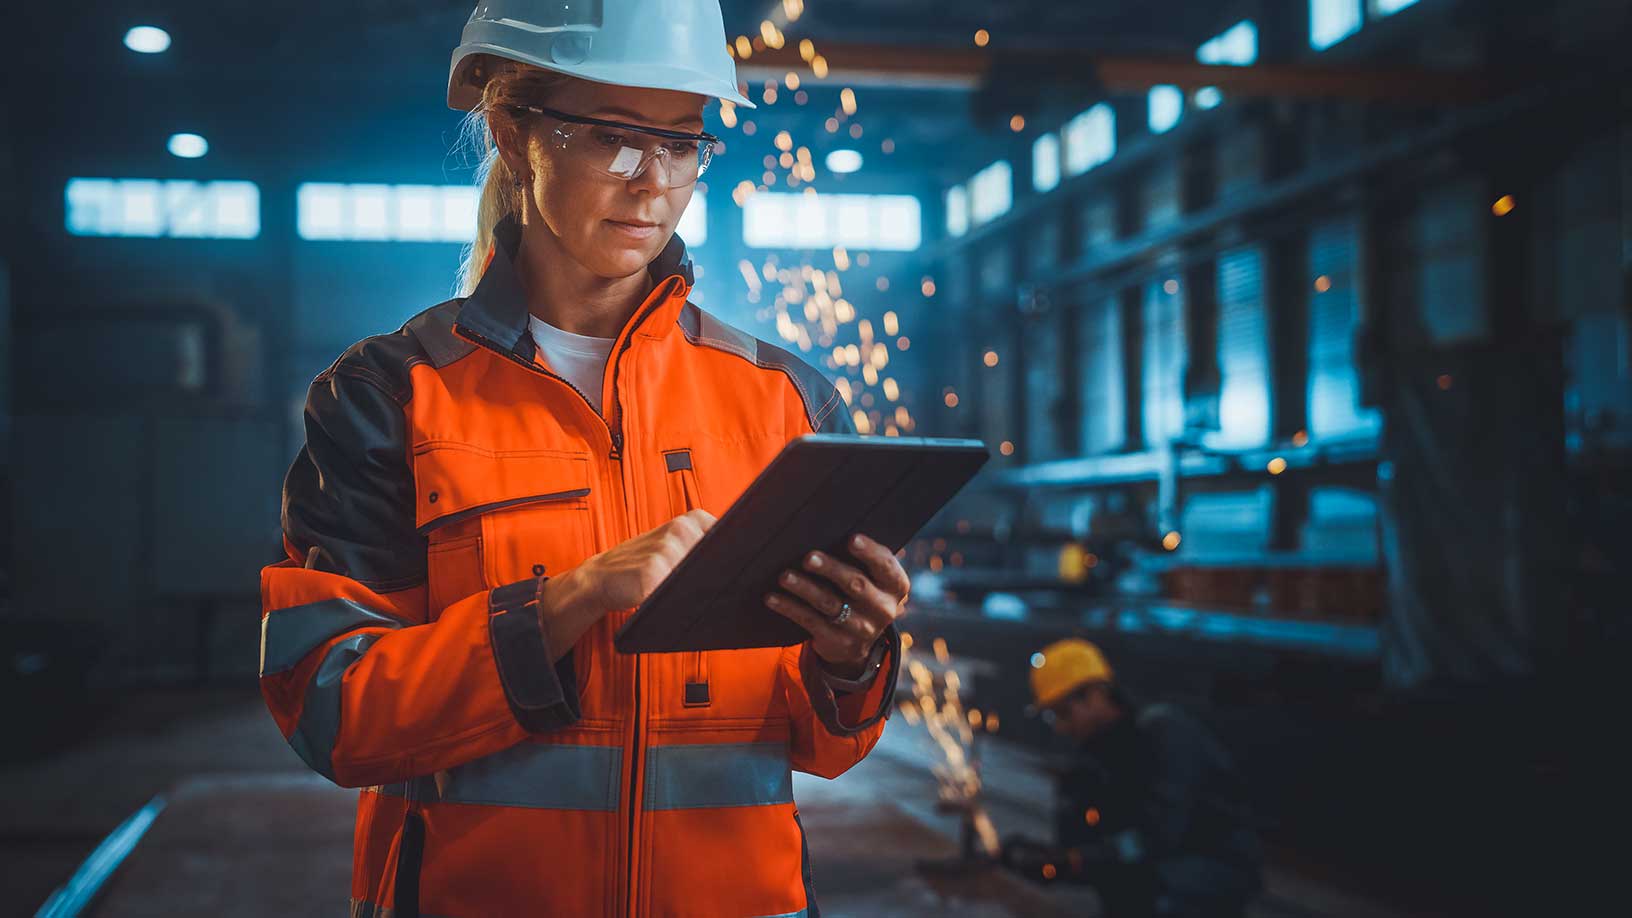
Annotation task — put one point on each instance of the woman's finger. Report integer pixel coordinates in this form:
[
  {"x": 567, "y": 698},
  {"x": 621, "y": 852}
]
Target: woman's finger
[
  {"x": 818, "y": 596},
  {"x": 866, "y": 617},
  {"x": 820, "y": 626},
  {"x": 882, "y": 565},
  {"x": 852, "y": 582}
]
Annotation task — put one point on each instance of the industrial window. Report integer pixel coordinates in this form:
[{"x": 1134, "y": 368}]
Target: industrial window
[
  {"x": 1380, "y": 8},
  {"x": 1450, "y": 280},
  {"x": 1243, "y": 352},
  {"x": 1164, "y": 358},
  {"x": 153, "y": 208},
  {"x": 1043, "y": 252},
  {"x": 1166, "y": 105},
  {"x": 1161, "y": 196},
  {"x": 693, "y": 226},
  {"x": 1334, "y": 317},
  {"x": 994, "y": 388},
  {"x": 1237, "y": 46},
  {"x": 1104, "y": 407},
  {"x": 785, "y": 220},
  {"x": 1331, "y": 21},
  {"x": 957, "y": 211},
  {"x": 386, "y": 213},
  {"x": 1090, "y": 139},
  {"x": 1044, "y": 388},
  {"x": 1045, "y": 162},
  {"x": 1096, "y": 224},
  {"x": 991, "y": 192}
]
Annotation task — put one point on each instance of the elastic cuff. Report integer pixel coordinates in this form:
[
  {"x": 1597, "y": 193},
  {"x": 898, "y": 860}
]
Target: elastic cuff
[
  {"x": 869, "y": 672},
  {"x": 824, "y": 701},
  {"x": 541, "y": 696}
]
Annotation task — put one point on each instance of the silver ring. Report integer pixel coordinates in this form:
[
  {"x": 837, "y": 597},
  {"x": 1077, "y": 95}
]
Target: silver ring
[{"x": 844, "y": 613}]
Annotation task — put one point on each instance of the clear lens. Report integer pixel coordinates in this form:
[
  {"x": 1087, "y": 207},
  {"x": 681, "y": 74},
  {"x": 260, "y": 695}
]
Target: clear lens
[{"x": 627, "y": 155}]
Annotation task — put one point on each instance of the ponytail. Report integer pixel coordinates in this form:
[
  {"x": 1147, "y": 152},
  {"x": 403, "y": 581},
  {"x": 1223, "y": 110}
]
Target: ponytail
[{"x": 507, "y": 83}]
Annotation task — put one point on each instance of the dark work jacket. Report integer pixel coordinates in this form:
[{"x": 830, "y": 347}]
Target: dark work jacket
[{"x": 1154, "y": 809}]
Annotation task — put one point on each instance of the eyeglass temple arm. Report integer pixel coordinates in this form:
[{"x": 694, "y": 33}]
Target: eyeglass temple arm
[{"x": 659, "y": 132}]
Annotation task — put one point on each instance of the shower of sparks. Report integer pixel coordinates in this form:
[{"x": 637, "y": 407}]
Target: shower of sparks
[
  {"x": 937, "y": 705},
  {"x": 805, "y": 301}
]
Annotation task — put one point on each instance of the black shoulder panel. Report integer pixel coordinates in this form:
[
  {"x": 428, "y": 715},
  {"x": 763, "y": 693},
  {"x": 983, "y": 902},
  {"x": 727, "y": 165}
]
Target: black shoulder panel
[{"x": 348, "y": 499}]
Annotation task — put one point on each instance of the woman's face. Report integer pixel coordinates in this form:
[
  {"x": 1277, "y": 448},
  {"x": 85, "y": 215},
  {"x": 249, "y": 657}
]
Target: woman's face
[{"x": 588, "y": 209}]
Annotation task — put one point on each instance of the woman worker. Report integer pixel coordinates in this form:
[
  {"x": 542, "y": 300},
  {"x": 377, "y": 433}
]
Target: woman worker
[{"x": 487, "y": 492}]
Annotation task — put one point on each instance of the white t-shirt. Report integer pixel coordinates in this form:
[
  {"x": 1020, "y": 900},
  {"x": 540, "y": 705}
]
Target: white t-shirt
[{"x": 580, "y": 359}]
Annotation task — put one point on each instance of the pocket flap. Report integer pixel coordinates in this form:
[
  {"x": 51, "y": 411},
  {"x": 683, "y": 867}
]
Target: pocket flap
[{"x": 456, "y": 481}]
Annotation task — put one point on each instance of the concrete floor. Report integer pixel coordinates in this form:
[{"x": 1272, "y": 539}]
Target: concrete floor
[{"x": 247, "y": 828}]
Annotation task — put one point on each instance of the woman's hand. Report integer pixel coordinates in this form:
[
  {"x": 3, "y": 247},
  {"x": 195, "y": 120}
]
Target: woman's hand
[
  {"x": 619, "y": 578},
  {"x": 845, "y": 606},
  {"x": 623, "y": 576}
]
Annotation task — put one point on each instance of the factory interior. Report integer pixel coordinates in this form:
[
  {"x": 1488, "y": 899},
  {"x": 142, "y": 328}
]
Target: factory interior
[{"x": 1299, "y": 333}]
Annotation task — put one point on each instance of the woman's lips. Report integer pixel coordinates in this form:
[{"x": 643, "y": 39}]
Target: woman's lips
[{"x": 634, "y": 231}]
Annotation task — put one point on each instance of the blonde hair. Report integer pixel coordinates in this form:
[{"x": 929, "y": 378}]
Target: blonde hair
[{"x": 508, "y": 83}]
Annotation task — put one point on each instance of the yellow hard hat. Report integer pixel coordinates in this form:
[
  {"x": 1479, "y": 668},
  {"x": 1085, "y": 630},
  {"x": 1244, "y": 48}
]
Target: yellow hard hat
[{"x": 1060, "y": 668}]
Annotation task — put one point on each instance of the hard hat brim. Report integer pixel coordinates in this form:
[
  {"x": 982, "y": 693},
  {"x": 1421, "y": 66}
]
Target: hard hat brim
[{"x": 464, "y": 95}]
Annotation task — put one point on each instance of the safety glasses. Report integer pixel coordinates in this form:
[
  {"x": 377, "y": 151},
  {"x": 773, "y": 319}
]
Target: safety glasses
[{"x": 625, "y": 151}]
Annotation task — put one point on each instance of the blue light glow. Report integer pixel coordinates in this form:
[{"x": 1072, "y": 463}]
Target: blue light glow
[
  {"x": 395, "y": 213},
  {"x": 1090, "y": 139},
  {"x": 693, "y": 226},
  {"x": 188, "y": 146},
  {"x": 991, "y": 192},
  {"x": 843, "y": 161},
  {"x": 1331, "y": 21},
  {"x": 783, "y": 220},
  {"x": 957, "y": 211},
  {"x": 153, "y": 208},
  {"x": 1045, "y": 163},
  {"x": 1166, "y": 108},
  {"x": 147, "y": 40}
]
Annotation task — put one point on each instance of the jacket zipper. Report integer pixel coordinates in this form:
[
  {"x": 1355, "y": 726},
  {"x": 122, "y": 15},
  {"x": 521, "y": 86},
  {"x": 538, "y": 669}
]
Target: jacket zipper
[
  {"x": 614, "y": 424},
  {"x": 634, "y": 796},
  {"x": 612, "y": 434},
  {"x": 615, "y": 433},
  {"x": 617, "y": 364}
]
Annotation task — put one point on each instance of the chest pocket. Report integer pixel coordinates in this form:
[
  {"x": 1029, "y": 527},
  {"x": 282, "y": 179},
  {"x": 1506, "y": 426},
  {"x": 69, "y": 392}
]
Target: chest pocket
[{"x": 492, "y": 518}]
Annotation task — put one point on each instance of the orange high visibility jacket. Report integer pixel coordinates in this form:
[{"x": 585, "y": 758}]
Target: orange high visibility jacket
[{"x": 446, "y": 472}]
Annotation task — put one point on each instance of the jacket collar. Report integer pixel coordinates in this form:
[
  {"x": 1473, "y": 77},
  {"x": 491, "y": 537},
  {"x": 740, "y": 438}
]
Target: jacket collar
[{"x": 496, "y": 310}]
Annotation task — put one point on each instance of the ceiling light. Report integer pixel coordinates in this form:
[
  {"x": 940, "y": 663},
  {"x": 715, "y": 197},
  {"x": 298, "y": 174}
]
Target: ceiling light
[
  {"x": 844, "y": 160},
  {"x": 188, "y": 146},
  {"x": 147, "y": 40}
]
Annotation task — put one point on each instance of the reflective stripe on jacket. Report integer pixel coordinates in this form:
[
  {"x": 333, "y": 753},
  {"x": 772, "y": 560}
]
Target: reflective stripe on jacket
[{"x": 446, "y": 470}]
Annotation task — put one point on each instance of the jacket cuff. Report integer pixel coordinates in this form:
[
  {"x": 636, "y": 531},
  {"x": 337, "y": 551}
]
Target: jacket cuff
[
  {"x": 877, "y": 696},
  {"x": 869, "y": 673},
  {"x": 541, "y": 696}
]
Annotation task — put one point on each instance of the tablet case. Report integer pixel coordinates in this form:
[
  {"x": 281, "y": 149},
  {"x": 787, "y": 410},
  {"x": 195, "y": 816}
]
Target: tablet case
[{"x": 817, "y": 492}]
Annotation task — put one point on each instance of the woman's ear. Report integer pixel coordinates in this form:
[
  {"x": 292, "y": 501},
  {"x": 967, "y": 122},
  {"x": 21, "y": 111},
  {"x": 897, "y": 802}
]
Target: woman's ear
[{"x": 511, "y": 146}]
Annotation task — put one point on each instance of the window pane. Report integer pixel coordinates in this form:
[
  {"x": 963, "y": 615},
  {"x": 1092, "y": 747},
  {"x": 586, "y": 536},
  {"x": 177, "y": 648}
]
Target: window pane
[
  {"x": 782, "y": 220},
  {"x": 991, "y": 192},
  {"x": 1045, "y": 162},
  {"x": 1166, "y": 108},
  {"x": 957, "y": 211},
  {"x": 1331, "y": 21},
  {"x": 1090, "y": 139},
  {"x": 320, "y": 211},
  {"x": 1236, "y": 45},
  {"x": 151, "y": 208},
  {"x": 403, "y": 213},
  {"x": 693, "y": 226}
]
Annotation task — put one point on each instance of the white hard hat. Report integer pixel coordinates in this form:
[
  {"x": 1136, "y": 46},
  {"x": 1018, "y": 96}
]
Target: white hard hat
[{"x": 656, "y": 44}]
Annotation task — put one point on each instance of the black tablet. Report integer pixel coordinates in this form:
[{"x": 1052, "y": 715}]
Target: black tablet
[{"x": 815, "y": 494}]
